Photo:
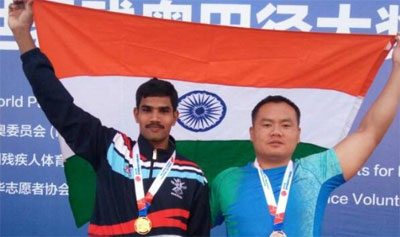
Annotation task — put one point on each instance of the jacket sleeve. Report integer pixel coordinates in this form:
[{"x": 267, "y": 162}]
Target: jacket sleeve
[
  {"x": 83, "y": 133},
  {"x": 199, "y": 221}
]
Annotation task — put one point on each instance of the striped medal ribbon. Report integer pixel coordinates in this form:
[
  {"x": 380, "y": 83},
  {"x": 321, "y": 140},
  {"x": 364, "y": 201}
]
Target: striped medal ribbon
[
  {"x": 143, "y": 223},
  {"x": 278, "y": 211}
]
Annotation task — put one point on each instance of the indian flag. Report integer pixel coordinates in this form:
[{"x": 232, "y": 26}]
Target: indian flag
[{"x": 219, "y": 72}]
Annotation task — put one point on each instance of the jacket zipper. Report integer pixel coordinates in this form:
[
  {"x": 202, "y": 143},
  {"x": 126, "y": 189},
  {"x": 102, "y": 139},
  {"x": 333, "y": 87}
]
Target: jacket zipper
[{"x": 154, "y": 158}]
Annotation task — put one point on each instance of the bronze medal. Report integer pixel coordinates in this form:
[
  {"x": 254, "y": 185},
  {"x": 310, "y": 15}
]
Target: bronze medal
[
  {"x": 278, "y": 233},
  {"x": 142, "y": 225}
]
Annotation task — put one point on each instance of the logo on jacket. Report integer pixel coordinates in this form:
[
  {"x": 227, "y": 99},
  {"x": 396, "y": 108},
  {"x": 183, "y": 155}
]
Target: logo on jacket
[
  {"x": 178, "y": 188},
  {"x": 128, "y": 170},
  {"x": 200, "y": 111}
]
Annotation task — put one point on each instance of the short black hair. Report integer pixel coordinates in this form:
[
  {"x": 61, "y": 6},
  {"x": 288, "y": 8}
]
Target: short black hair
[
  {"x": 275, "y": 99},
  {"x": 158, "y": 88}
]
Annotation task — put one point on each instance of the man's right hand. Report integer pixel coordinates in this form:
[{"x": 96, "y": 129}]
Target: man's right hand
[{"x": 20, "y": 20}]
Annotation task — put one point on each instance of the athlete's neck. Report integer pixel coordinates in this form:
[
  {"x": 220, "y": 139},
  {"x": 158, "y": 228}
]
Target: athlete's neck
[
  {"x": 160, "y": 145},
  {"x": 272, "y": 163}
]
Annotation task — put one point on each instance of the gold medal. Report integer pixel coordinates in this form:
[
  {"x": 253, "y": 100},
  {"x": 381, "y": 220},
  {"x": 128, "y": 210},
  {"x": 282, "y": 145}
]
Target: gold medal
[
  {"x": 143, "y": 225},
  {"x": 278, "y": 233}
]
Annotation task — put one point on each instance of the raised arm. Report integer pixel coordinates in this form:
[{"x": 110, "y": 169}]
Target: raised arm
[
  {"x": 84, "y": 133},
  {"x": 355, "y": 149}
]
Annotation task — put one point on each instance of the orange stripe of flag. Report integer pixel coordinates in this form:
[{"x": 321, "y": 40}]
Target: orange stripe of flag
[{"x": 81, "y": 41}]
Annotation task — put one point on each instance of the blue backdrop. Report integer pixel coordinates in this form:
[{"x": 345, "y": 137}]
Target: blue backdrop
[{"x": 33, "y": 190}]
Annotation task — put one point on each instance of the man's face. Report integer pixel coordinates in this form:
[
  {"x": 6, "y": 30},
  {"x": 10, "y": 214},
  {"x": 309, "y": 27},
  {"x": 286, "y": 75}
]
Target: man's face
[
  {"x": 155, "y": 117},
  {"x": 275, "y": 132}
]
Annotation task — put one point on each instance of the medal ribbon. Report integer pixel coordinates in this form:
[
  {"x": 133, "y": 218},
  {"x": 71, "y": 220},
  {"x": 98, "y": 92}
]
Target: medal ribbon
[
  {"x": 278, "y": 211},
  {"x": 144, "y": 202}
]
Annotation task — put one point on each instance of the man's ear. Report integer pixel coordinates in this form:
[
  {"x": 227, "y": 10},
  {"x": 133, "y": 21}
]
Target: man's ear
[
  {"x": 176, "y": 116},
  {"x": 251, "y": 131},
  {"x": 135, "y": 114},
  {"x": 298, "y": 140}
]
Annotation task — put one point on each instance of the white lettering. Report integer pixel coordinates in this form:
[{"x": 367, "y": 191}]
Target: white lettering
[
  {"x": 12, "y": 102},
  {"x": 364, "y": 171},
  {"x": 382, "y": 171},
  {"x": 228, "y": 14},
  {"x": 167, "y": 10},
  {"x": 32, "y": 101},
  {"x": 375, "y": 200},
  {"x": 336, "y": 199},
  {"x": 391, "y": 20},
  {"x": 296, "y": 20},
  {"x": 343, "y": 23}
]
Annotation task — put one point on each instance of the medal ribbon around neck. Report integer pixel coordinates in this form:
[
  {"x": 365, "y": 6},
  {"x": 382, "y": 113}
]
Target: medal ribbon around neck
[
  {"x": 278, "y": 211},
  {"x": 144, "y": 202}
]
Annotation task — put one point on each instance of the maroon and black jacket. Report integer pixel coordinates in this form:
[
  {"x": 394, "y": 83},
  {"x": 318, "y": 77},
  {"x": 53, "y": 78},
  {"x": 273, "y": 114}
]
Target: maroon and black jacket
[{"x": 180, "y": 207}]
